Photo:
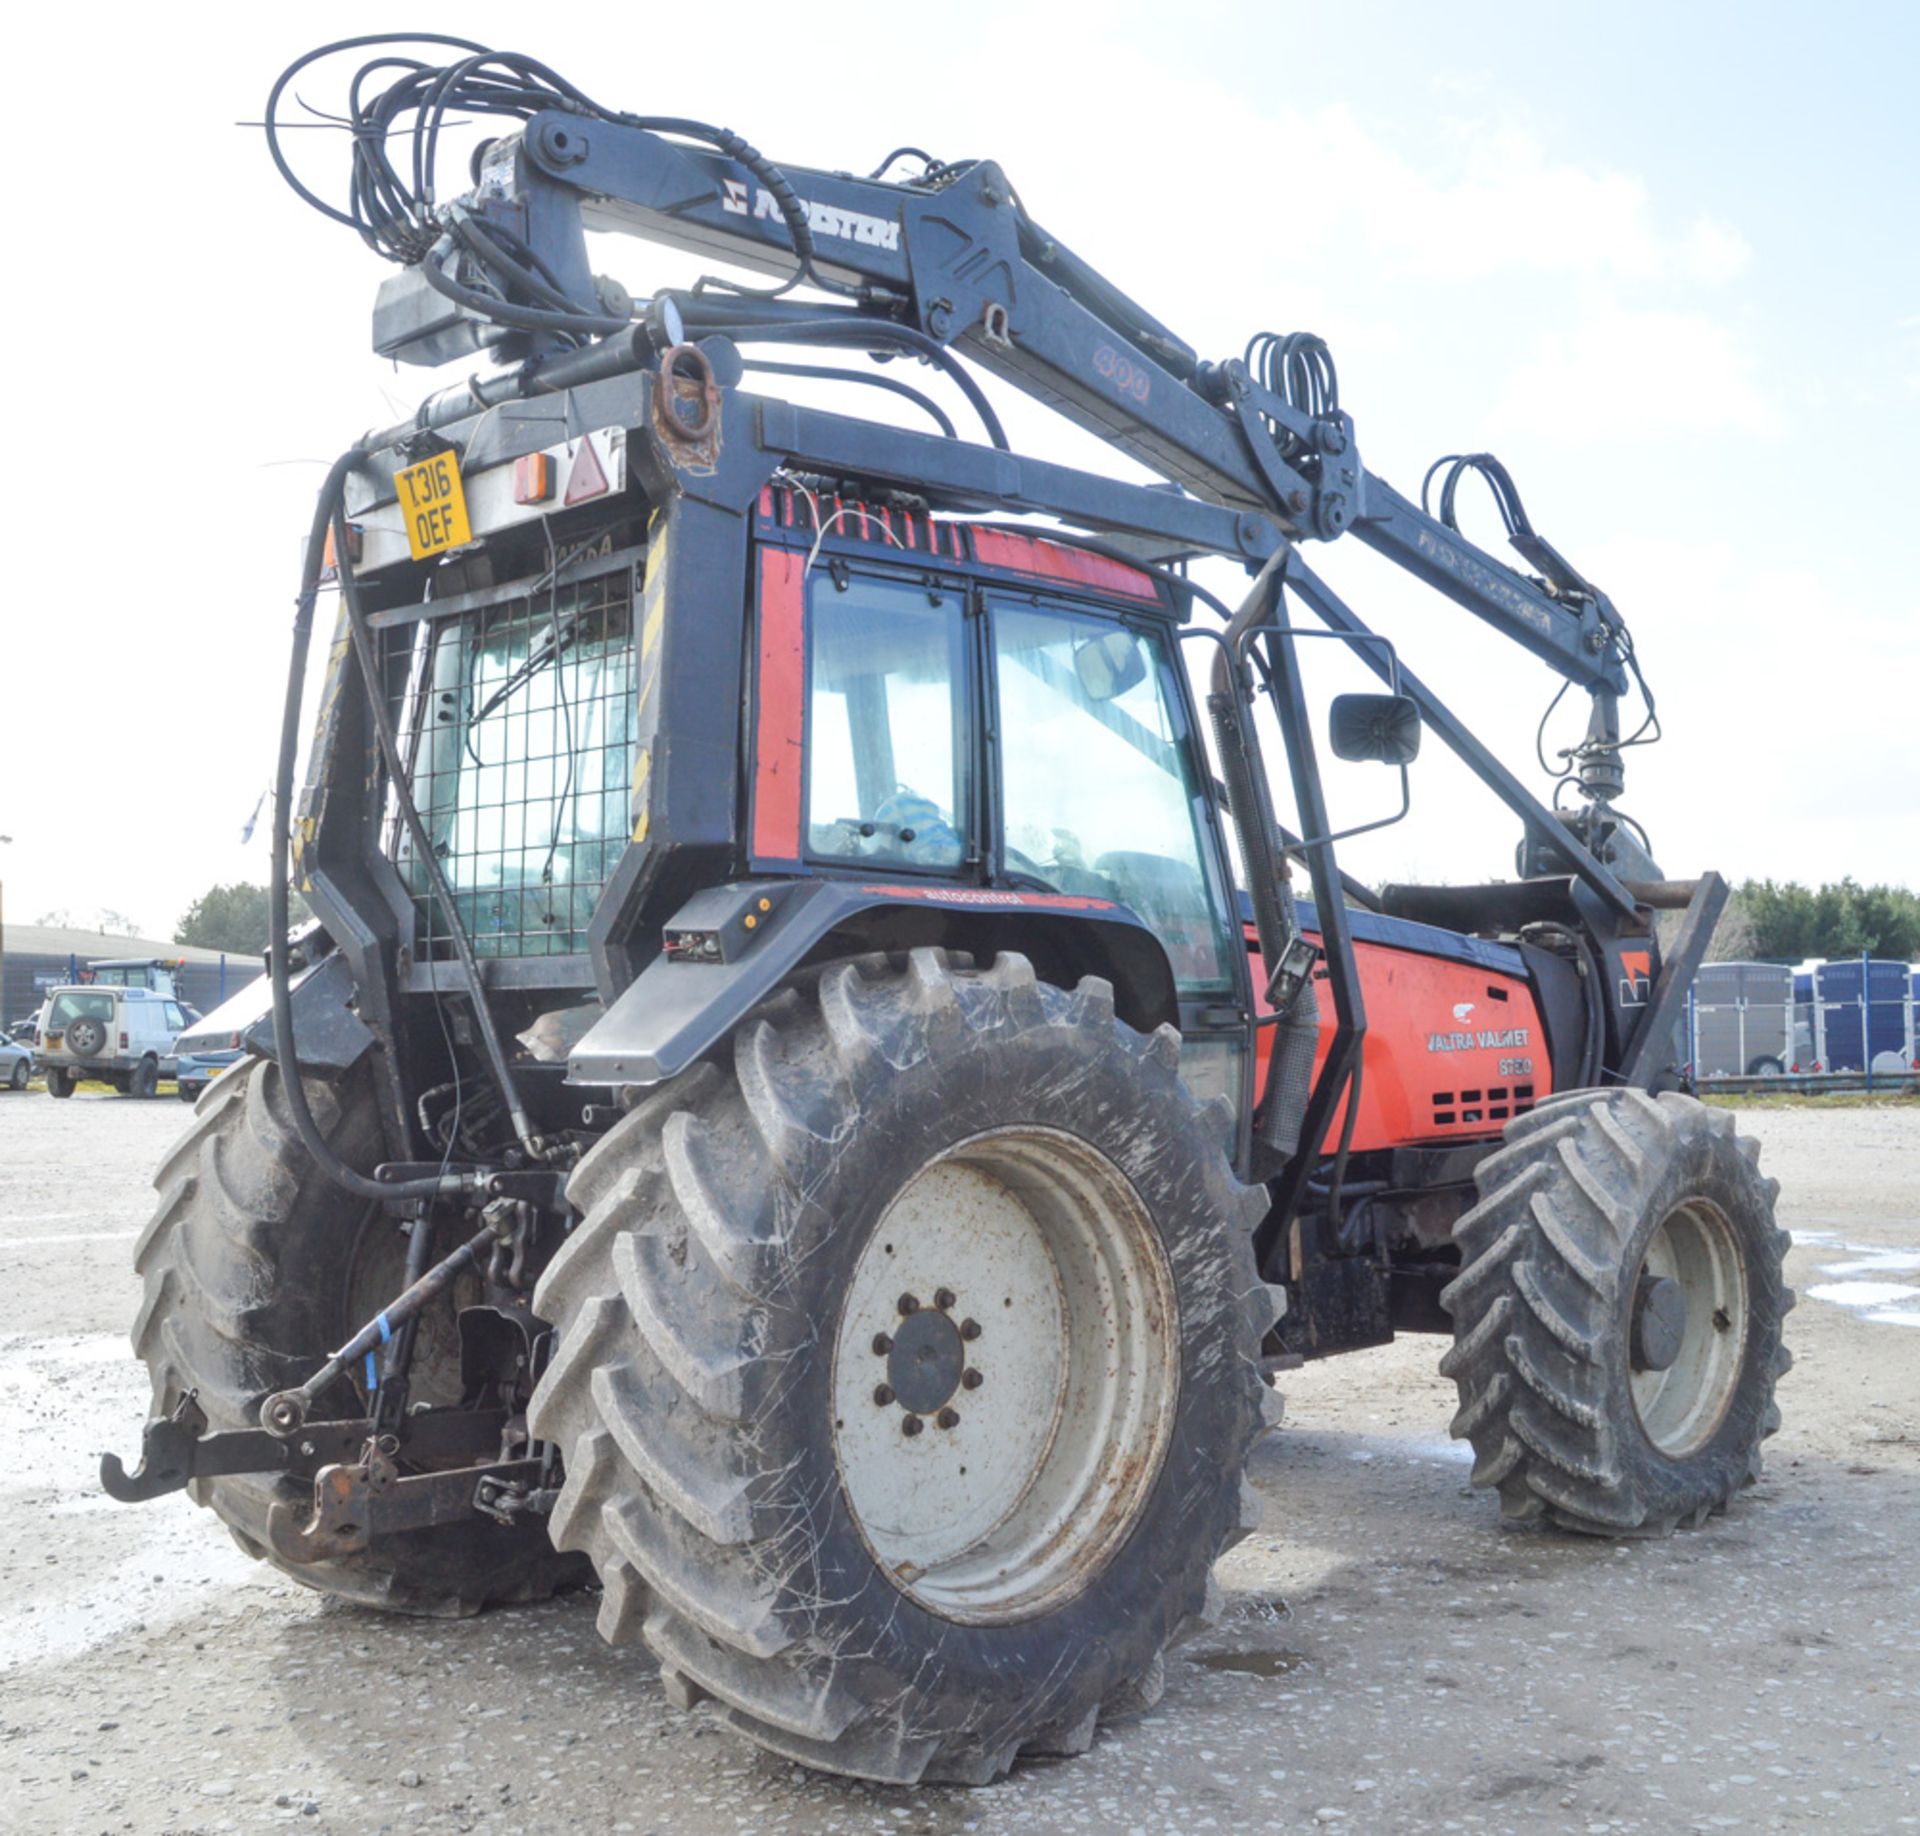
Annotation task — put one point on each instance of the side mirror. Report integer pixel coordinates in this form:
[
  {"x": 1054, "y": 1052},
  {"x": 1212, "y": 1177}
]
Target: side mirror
[
  {"x": 1108, "y": 665},
  {"x": 1382, "y": 727}
]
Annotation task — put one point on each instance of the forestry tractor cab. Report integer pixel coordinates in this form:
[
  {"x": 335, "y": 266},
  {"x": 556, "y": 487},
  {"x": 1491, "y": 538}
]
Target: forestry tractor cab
[{"x": 819, "y": 1095}]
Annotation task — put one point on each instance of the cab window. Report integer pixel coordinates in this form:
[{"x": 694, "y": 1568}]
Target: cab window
[
  {"x": 1097, "y": 790},
  {"x": 886, "y": 771}
]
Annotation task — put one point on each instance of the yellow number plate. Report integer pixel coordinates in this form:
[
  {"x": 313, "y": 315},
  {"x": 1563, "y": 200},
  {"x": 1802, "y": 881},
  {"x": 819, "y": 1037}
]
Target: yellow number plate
[{"x": 434, "y": 504}]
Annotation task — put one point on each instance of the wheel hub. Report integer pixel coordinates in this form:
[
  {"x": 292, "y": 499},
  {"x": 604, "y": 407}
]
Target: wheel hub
[
  {"x": 1659, "y": 1322},
  {"x": 926, "y": 1361},
  {"x": 1687, "y": 1332},
  {"x": 990, "y": 1489}
]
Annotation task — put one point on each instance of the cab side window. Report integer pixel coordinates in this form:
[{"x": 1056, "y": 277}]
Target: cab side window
[
  {"x": 886, "y": 720},
  {"x": 1097, "y": 783}
]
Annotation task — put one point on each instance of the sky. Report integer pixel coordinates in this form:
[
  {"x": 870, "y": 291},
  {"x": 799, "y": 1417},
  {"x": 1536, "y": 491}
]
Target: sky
[{"x": 1661, "y": 259}]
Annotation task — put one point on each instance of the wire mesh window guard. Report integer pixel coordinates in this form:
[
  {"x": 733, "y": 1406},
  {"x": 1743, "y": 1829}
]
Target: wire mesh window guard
[{"x": 519, "y": 720}]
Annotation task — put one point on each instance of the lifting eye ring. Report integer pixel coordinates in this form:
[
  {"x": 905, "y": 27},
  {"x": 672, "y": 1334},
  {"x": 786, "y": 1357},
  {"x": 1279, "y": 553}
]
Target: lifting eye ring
[{"x": 686, "y": 397}]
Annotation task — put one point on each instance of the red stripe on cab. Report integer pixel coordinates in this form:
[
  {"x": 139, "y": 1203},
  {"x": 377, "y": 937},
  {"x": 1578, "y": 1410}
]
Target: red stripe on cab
[{"x": 780, "y": 731}]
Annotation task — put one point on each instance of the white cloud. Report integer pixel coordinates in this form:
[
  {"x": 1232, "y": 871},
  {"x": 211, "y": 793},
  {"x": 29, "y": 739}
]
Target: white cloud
[
  {"x": 1483, "y": 200},
  {"x": 1714, "y": 252},
  {"x": 1635, "y": 373},
  {"x": 1909, "y": 337}
]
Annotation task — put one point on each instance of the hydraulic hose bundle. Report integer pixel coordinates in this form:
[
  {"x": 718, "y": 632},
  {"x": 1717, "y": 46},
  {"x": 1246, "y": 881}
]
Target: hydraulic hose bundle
[{"x": 395, "y": 210}]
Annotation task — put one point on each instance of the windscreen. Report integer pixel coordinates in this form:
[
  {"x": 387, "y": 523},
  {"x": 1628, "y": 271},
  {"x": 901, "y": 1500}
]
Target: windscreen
[{"x": 1097, "y": 789}]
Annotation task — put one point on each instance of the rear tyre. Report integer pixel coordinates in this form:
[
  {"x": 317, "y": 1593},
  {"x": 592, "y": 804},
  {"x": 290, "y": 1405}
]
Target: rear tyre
[
  {"x": 255, "y": 1267},
  {"x": 1617, "y": 1316},
  {"x": 143, "y": 1081},
  {"x": 908, "y": 1369},
  {"x": 1766, "y": 1065},
  {"x": 60, "y": 1083},
  {"x": 17, "y": 1078}
]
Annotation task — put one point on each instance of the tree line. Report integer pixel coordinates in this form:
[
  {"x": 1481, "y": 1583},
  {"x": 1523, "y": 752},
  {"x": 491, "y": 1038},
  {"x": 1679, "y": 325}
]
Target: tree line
[
  {"x": 232, "y": 918},
  {"x": 1765, "y": 921},
  {"x": 1783, "y": 921}
]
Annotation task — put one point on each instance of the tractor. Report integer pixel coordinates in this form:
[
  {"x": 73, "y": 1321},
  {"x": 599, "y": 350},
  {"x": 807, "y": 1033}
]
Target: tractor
[{"x": 819, "y": 1091}]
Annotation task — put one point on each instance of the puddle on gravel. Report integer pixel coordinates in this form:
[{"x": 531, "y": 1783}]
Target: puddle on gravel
[
  {"x": 1876, "y": 1262},
  {"x": 1250, "y": 1663},
  {"x": 1860, "y": 1285},
  {"x": 1390, "y": 1447},
  {"x": 1864, "y": 1293},
  {"x": 85, "y": 1570}
]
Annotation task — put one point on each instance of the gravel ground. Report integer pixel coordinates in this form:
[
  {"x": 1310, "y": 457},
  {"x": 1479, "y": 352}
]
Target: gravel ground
[{"x": 1389, "y": 1660}]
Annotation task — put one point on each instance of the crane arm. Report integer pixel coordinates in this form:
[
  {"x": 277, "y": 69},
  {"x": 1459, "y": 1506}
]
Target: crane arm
[{"x": 955, "y": 258}]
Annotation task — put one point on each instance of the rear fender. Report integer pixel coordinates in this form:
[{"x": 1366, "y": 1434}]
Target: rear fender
[
  {"x": 329, "y": 1036},
  {"x": 728, "y": 948}
]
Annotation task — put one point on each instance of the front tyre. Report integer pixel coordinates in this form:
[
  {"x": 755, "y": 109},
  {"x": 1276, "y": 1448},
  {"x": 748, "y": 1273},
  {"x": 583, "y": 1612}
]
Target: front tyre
[
  {"x": 1617, "y": 1316},
  {"x": 908, "y": 1369}
]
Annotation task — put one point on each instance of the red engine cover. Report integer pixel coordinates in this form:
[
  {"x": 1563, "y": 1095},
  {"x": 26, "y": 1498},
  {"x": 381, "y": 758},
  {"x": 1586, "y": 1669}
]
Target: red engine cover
[{"x": 1452, "y": 1050}]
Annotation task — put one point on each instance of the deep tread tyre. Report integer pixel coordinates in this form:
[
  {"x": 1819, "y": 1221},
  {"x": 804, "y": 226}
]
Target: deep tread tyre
[
  {"x": 252, "y": 1263},
  {"x": 698, "y": 1304},
  {"x": 60, "y": 1083},
  {"x": 143, "y": 1081},
  {"x": 1544, "y": 1314}
]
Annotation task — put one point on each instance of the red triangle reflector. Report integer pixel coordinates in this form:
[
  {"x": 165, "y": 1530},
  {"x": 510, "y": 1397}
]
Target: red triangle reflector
[{"x": 587, "y": 479}]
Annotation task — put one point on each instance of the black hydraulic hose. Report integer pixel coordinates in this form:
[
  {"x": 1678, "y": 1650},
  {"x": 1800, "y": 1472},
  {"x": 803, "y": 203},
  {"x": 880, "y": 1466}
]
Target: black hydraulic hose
[
  {"x": 496, "y": 259},
  {"x": 522, "y": 318},
  {"x": 1587, "y": 963},
  {"x": 834, "y": 373},
  {"x": 362, "y": 638},
  {"x": 279, "y": 971},
  {"x": 869, "y": 332},
  {"x": 1337, "y": 1179},
  {"x": 1594, "y": 1058},
  {"x": 293, "y": 70}
]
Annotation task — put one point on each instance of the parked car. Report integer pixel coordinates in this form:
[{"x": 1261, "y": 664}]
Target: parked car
[
  {"x": 195, "y": 1070},
  {"x": 120, "y": 1036},
  {"x": 16, "y": 1065},
  {"x": 21, "y": 1031}
]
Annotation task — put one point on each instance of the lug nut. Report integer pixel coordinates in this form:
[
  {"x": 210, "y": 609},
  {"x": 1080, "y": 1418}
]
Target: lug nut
[
  {"x": 883, "y": 1395},
  {"x": 912, "y": 1425},
  {"x": 969, "y": 1329},
  {"x": 972, "y": 1380},
  {"x": 948, "y": 1418},
  {"x": 881, "y": 1345},
  {"x": 944, "y": 1298},
  {"x": 908, "y": 1304}
]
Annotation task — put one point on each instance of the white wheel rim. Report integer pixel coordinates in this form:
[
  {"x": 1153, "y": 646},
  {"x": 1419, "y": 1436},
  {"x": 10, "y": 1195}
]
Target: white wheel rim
[
  {"x": 1037, "y": 1266},
  {"x": 1681, "y": 1407}
]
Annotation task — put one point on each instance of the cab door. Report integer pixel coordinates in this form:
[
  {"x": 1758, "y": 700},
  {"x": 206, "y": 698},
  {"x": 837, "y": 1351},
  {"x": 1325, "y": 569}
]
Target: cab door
[{"x": 1101, "y": 789}]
